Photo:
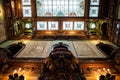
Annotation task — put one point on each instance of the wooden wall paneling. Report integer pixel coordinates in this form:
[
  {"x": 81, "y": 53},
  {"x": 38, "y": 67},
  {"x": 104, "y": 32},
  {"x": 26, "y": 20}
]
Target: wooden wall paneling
[
  {"x": 109, "y": 30},
  {"x": 3, "y": 36},
  {"x": 118, "y": 40},
  {"x": 20, "y": 14},
  {"x": 119, "y": 37},
  {"x": 34, "y": 11},
  {"x": 8, "y": 17},
  {"x": 87, "y": 5},
  {"x": 118, "y": 10},
  {"x": 7, "y": 11},
  {"x": 104, "y": 8},
  {"x": 18, "y": 11},
  {"x": 118, "y": 32},
  {"x": 101, "y": 6},
  {"x": 115, "y": 33}
]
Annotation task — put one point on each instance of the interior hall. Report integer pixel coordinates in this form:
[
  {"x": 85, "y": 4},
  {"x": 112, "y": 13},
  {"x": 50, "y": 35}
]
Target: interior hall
[{"x": 59, "y": 39}]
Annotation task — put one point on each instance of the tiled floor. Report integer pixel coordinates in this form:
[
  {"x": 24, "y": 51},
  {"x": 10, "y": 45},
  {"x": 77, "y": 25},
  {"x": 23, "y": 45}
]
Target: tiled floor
[{"x": 41, "y": 49}]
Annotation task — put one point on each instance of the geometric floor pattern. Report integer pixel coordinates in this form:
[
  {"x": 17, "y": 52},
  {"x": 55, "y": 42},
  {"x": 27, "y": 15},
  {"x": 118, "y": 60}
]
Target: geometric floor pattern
[{"x": 41, "y": 49}]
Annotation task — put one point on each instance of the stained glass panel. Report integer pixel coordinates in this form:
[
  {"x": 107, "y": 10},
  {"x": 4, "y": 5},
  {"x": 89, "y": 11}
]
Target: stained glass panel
[
  {"x": 60, "y": 8},
  {"x": 27, "y": 11},
  {"x": 26, "y": 2},
  {"x": 78, "y": 25},
  {"x": 94, "y": 2},
  {"x": 67, "y": 25},
  {"x": 94, "y": 11},
  {"x": 53, "y": 25},
  {"x": 41, "y": 25}
]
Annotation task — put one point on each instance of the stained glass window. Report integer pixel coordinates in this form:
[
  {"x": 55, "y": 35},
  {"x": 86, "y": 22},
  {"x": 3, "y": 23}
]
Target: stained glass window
[
  {"x": 94, "y": 8},
  {"x": 53, "y": 25},
  {"x": 79, "y": 25},
  {"x": 41, "y": 25},
  {"x": 94, "y": 11},
  {"x": 26, "y": 8},
  {"x": 27, "y": 12},
  {"x": 67, "y": 25},
  {"x": 26, "y": 2},
  {"x": 60, "y": 8}
]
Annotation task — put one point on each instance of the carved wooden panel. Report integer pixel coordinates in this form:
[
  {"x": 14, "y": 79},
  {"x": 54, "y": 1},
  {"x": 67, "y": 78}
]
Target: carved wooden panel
[
  {"x": 115, "y": 32},
  {"x": 2, "y": 32}
]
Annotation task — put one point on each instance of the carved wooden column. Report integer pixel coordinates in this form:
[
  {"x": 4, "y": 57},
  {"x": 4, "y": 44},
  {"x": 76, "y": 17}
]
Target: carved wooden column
[{"x": 8, "y": 18}]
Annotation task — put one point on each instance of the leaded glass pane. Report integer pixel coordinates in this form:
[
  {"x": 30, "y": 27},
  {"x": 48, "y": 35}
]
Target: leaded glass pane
[
  {"x": 67, "y": 25},
  {"x": 60, "y": 8},
  {"x": 53, "y": 25},
  {"x": 41, "y": 25},
  {"x": 78, "y": 25},
  {"x": 93, "y": 11},
  {"x": 94, "y": 2},
  {"x": 27, "y": 11},
  {"x": 26, "y": 2}
]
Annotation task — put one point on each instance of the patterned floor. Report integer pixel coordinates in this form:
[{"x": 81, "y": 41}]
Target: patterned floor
[{"x": 41, "y": 49}]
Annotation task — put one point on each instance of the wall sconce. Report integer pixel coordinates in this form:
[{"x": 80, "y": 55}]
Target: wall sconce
[{"x": 12, "y": 4}]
